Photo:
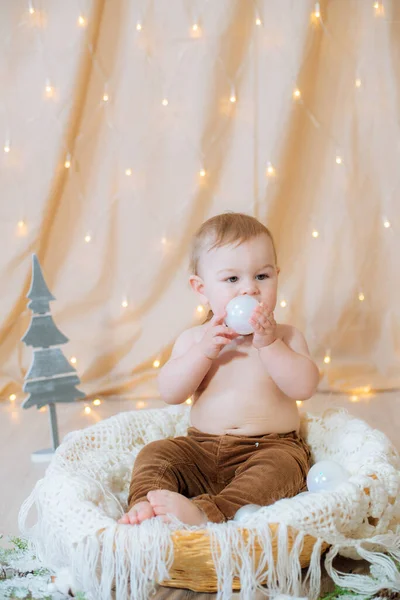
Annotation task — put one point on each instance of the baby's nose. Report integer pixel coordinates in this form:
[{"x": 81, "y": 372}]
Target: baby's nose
[{"x": 250, "y": 290}]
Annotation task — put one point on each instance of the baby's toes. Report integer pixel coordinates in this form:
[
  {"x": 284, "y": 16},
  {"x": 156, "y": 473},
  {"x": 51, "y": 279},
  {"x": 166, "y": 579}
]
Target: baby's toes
[
  {"x": 133, "y": 517},
  {"x": 161, "y": 510},
  {"x": 124, "y": 520},
  {"x": 153, "y": 497},
  {"x": 164, "y": 518},
  {"x": 145, "y": 512},
  {"x": 161, "y": 501}
]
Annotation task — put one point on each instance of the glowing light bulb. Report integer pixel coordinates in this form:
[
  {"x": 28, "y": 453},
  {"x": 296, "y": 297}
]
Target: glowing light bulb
[
  {"x": 376, "y": 5},
  {"x": 21, "y": 224},
  {"x": 188, "y": 401},
  {"x": 97, "y": 402},
  {"x": 31, "y": 9},
  {"x": 43, "y": 409},
  {"x": 12, "y": 397},
  {"x": 232, "y": 98},
  {"x": 358, "y": 83},
  {"x": 297, "y": 93},
  {"x": 338, "y": 160},
  {"x": 140, "y": 404},
  {"x": 283, "y": 303},
  {"x": 49, "y": 89},
  {"x": 128, "y": 172},
  {"x": 354, "y": 398},
  {"x": 124, "y": 303},
  {"x": 7, "y": 147},
  {"x": 202, "y": 172},
  {"x": 164, "y": 102},
  {"x": 270, "y": 169},
  {"x": 327, "y": 359},
  {"x": 315, "y": 234},
  {"x": 386, "y": 224},
  {"x": 156, "y": 364},
  {"x": 88, "y": 410},
  {"x": 105, "y": 97},
  {"x": 73, "y": 360},
  {"x": 195, "y": 27},
  {"x": 67, "y": 163},
  {"x": 139, "y": 27},
  {"x": 361, "y": 297},
  {"x": 299, "y": 402},
  {"x": 317, "y": 10},
  {"x": 81, "y": 21},
  {"x": 200, "y": 309},
  {"x": 258, "y": 22},
  {"x": 88, "y": 238}
]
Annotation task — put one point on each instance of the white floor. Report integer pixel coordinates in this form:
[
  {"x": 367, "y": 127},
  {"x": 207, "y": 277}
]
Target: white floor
[{"x": 24, "y": 431}]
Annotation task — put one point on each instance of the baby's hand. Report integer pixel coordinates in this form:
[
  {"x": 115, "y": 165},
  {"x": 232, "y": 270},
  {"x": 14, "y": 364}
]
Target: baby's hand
[
  {"x": 264, "y": 325},
  {"x": 216, "y": 336}
]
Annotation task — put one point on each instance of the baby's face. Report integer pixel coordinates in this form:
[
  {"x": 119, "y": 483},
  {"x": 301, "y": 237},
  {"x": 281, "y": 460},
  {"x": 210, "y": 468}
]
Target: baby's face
[{"x": 232, "y": 271}]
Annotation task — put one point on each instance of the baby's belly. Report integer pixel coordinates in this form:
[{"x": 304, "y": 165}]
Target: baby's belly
[{"x": 245, "y": 412}]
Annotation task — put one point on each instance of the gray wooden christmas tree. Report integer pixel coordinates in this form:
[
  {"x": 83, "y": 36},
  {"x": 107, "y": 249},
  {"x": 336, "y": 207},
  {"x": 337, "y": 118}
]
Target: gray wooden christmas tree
[{"x": 51, "y": 378}]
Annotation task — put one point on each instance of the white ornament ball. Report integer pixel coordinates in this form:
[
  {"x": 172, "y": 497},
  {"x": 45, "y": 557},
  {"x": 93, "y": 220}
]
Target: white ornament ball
[
  {"x": 64, "y": 581},
  {"x": 239, "y": 311},
  {"x": 326, "y": 475},
  {"x": 246, "y": 511}
]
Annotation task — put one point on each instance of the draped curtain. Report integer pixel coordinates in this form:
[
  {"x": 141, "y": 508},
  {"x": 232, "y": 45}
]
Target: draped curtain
[{"x": 126, "y": 123}]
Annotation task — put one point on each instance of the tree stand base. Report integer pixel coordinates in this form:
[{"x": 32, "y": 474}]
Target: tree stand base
[{"x": 41, "y": 456}]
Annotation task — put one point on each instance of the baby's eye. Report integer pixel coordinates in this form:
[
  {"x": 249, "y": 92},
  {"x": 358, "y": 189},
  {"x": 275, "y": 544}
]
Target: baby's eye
[
  {"x": 232, "y": 279},
  {"x": 262, "y": 276}
]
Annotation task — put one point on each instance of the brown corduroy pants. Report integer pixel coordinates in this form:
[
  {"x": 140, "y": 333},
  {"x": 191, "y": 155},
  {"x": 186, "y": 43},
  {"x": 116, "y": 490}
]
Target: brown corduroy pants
[{"x": 221, "y": 473}]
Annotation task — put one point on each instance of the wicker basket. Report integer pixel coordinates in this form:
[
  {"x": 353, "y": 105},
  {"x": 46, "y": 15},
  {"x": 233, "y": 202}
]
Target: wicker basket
[{"x": 193, "y": 566}]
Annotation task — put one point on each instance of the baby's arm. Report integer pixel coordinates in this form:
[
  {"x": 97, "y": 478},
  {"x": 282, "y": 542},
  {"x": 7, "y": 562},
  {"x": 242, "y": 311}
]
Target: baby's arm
[
  {"x": 182, "y": 374},
  {"x": 289, "y": 364},
  {"x": 191, "y": 359}
]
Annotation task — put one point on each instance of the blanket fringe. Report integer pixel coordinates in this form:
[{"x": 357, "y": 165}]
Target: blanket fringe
[
  {"x": 383, "y": 556},
  {"x": 233, "y": 557},
  {"x": 124, "y": 559},
  {"x": 42, "y": 539}
]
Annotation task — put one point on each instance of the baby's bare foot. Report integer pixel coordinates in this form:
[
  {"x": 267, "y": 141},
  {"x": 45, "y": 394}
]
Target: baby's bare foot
[
  {"x": 138, "y": 513},
  {"x": 164, "y": 501}
]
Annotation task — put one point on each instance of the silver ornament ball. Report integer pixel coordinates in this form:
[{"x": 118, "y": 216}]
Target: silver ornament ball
[{"x": 245, "y": 511}]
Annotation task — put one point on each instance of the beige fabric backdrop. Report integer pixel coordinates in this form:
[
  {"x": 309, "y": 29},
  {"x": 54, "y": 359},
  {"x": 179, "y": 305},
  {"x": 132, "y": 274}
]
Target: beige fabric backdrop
[{"x": 139, "y": 102}]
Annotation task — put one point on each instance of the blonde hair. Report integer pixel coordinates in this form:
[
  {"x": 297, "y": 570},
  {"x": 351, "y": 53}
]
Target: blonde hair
[{"x": 223, "y": 229}]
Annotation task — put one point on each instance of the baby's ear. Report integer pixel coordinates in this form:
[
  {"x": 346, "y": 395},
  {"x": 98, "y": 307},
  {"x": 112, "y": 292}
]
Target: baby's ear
[{"x": 196, "y": 283}]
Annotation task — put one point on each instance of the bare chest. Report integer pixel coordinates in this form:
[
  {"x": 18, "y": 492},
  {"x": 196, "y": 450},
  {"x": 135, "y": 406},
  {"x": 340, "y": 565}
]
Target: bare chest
[
  {"x": 238, "y": 395},
  {"x": 238, "y": 364}
]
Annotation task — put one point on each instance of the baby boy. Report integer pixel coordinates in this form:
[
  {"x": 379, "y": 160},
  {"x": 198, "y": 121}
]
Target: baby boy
[{"x": 243, "y": 445}]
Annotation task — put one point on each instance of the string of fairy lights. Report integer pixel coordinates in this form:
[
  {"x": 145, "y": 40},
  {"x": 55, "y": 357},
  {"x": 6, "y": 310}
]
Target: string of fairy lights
[{"x": 271, "y": 171}]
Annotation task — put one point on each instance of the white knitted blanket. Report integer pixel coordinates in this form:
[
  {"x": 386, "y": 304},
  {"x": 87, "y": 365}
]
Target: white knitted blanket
[{"x": 84, "y": 492}]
